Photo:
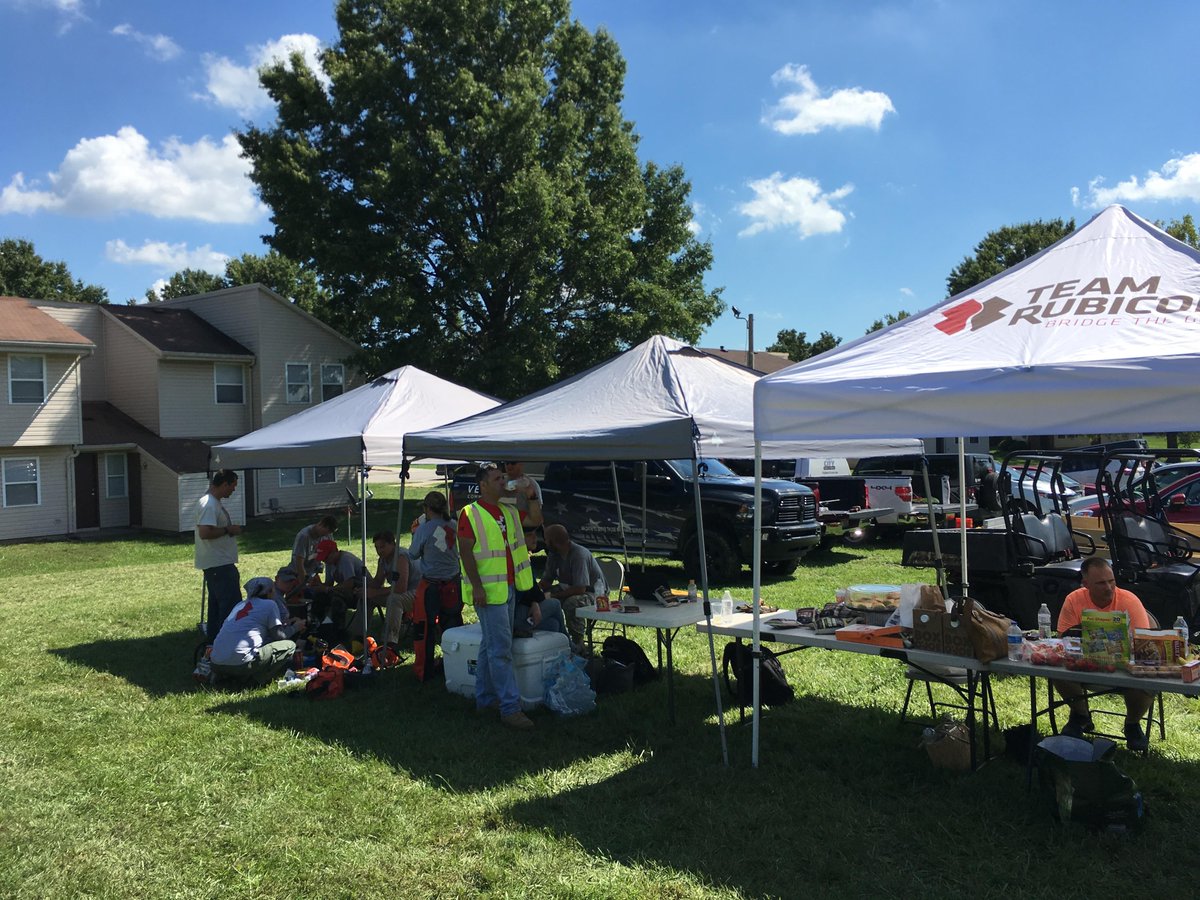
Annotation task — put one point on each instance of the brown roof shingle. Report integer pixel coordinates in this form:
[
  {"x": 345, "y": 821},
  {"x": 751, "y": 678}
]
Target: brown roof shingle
[
  {"x": 177, "y": 330},
  {"x": 104, "y": 425},
  {"x": 23, "y": 323}
]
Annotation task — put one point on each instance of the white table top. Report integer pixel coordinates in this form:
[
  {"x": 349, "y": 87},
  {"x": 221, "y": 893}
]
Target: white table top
[
  {"x": 651, "y": 615},
  {"x": 741, "y": 625},
  {"x": 1120, "y": 680}
]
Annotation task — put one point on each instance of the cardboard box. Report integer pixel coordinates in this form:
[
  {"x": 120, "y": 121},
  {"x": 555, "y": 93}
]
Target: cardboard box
[
  {"x": 1104, "y": 638},
  {"x": 955, "y": 640},
  {"x": 880, "y": 636},
  {"x": 1158, "y": 648},
  {"x": 927, "y": 630},
  {"x": 1191, "y": 671}
]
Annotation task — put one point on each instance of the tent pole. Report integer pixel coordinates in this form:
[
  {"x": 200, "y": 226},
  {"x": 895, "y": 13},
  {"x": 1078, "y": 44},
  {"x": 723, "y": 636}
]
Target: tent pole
[
  {"x": 962, "y": 515},
  {"x": 937, "y": 544},
  {"x": 612, "y": 464},
  {"x": 757, "y": 581},
  {"x": 400, "y": 508},
  {"x": 644, "y": 467},
  {"x": 712, "y": 647},
  {"x": 362, "y": 505}
]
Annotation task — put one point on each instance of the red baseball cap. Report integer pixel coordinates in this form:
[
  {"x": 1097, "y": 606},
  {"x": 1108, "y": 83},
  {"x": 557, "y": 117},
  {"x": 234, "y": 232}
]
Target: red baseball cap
[{"x": 324, "y": 547}]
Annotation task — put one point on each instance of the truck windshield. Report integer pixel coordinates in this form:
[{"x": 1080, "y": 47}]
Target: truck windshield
[{"x": 709, "y": 468}]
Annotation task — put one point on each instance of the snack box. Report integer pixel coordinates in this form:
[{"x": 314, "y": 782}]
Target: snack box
[
  {"x": 880, "y": 636},
  {"x": 1190, "y": 671},
  {"x": 1158, "y": 648},
  {"x": 1104, "y": 638}
]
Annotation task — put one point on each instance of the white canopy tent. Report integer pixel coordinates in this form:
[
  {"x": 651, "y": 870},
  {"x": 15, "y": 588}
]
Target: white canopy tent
[
  {"x": 659, "y": 400},
  {"x": 363, "y": 427},
  {"x": 1098, "y": 333}
]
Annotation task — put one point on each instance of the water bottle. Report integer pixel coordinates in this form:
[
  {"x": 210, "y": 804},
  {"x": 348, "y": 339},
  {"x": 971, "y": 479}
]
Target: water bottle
[
  {"x": 1044, "y": 627},
  {"x": 726, "y": 608},
  {"x": 692, "y": 594},
  {"x": 1181, "y": 629},
  {"x": 1016, "y": 641}
]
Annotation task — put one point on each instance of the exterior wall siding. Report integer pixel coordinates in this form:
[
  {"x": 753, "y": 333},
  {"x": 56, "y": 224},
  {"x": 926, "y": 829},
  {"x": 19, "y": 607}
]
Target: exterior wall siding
[
  {"x": 160, "y": 496},
  {"x": 192, "y": 487},
  {"x": 87, "y": 319},
  {"x": 52, "y": 516},
  {"x": 131, "y": 371},
  {"x": 188, "y": 405},
  {"x": 329, "y": 497},
  {"x": 56, "y": 420}
]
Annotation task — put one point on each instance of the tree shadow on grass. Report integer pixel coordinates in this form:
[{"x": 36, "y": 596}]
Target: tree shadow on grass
[{"x": 159, "y": 664}]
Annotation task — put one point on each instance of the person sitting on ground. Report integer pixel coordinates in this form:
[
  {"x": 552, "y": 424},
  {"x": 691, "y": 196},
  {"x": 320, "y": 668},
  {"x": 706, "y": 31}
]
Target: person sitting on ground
[
  {"x": 304, "y": 548},
  {"x": 438, "y": 604},
  {"x": 537, "y": 612},
  {"x": 394, "y": 584},
  {"x": 254, "y": 645},
  {"x": 1100, "y": 592},
  {"x": 285, "y": 588},
  {"x": 572, "y": 576},
  {"x": 344, "y": 572}
]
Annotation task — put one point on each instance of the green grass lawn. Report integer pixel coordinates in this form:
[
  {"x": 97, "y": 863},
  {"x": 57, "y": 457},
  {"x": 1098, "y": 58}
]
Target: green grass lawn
[{"x": 121, "y": 779}]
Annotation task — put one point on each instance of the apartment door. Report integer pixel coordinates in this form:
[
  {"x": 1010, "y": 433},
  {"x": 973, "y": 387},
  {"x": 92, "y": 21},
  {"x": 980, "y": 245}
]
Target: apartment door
[{"x": 87, "y": 492}]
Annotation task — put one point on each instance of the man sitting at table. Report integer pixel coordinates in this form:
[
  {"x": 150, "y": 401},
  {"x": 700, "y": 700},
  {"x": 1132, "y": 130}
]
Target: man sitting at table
[
  {"x": 1100, "y": 592},
  {"x": 578, "y": 576}
]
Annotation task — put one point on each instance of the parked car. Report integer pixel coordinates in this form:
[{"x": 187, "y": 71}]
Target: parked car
[
  {"x": 1038, "y": 493},
  {"x": 1181, "y": 499}
]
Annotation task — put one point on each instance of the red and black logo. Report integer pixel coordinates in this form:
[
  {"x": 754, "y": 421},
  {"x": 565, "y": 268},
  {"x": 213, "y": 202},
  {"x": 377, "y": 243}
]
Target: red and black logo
[{"x": 979, "y": 315}]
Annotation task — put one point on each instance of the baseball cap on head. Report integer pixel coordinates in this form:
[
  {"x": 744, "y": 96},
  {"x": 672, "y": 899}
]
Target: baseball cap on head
[{"x": 324, "y": 548}]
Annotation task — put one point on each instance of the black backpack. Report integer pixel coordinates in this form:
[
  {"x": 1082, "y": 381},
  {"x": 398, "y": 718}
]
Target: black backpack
[
  {"x": 630, "y": 653},
  {"x": 773, "y": 687}
]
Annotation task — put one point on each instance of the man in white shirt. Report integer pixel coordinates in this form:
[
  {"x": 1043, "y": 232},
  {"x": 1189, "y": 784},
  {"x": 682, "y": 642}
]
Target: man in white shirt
[
  {"x": 253, "y": 644},
  {"x": 217, "y": 550}
]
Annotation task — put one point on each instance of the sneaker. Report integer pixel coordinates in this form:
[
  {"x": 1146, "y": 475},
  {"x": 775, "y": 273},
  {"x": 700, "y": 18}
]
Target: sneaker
[
  {"x": 203, "y": 672},
  {"x": 1077, "y": 725},
  {"x": 1135, "y": 738},
  {"x": 517, "y": 720}
]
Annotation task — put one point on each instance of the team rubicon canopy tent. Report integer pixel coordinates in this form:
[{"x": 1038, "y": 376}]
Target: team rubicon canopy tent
[
  {"x": 1098, "y": 333},
  {"x": 361, "y": 428},
  {"x": 659, "y": 400}
]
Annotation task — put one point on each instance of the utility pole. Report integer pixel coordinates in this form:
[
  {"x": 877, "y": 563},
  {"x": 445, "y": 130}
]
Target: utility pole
[{"x": 749, "y": 320}]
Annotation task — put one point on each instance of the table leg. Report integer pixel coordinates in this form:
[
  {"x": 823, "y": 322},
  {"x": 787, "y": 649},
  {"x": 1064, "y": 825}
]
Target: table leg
[
  {"x": 667, "y": 637},
  {"x": 972, "y": 681},
  {"x": 1033, "y": 717},
  {"x": 591, "y": 623}
]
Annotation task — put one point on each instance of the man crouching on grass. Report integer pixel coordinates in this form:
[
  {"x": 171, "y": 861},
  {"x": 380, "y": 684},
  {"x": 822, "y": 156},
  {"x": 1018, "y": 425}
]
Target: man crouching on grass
[
  {"x": 253, "y": 644},
  {"x": 495, "y": 566}
]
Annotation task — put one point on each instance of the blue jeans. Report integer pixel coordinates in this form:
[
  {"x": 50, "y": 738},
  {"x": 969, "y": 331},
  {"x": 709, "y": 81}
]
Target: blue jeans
[
  {"x": 552, "y": 616},
  {"x": 224, "y": 587},
  {"x": 495, "y": 679}
]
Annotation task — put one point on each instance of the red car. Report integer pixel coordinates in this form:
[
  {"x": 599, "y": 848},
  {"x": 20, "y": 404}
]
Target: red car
[{"x": 1182, "y": 499}]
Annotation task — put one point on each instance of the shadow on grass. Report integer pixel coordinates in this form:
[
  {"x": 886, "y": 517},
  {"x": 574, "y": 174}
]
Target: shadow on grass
[{"x": 159, "y": 664}]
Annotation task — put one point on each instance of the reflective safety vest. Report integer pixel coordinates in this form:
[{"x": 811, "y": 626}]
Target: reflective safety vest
[{"x": 491, "y": 552}]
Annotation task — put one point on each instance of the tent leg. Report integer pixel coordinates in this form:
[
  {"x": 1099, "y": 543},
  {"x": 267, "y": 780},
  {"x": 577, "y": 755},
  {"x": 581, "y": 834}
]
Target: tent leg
[
  {"x": 362, "y": 505},
  {"x": 712, "y": 647},
  {"x": 612, "y": 464},
  {"x": 962, "y": 515},
  {"x": 757, "y": 580}
]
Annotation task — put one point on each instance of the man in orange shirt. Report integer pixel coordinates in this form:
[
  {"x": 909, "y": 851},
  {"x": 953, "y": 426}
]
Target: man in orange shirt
[{"x": 1100, "y": 591}]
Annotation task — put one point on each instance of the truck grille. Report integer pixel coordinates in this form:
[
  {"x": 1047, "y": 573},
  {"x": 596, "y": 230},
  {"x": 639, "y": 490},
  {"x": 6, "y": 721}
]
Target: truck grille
[{"x": 796, "y": 508}]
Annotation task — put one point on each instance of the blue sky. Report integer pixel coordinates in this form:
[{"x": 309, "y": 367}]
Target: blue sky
[{"x": 843, "y": 156}]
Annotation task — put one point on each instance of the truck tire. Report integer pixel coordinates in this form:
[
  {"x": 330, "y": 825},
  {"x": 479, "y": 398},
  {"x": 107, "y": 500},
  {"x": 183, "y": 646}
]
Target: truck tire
[
  {"x": 782, "y": 566},
  {"x": 723, "y": 564}
]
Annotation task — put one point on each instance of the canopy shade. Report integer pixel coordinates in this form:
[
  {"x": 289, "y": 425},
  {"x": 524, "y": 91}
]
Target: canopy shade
[
  {"x": 364, "y": 426},
  {"x": 659, "y": 400},
  {"x": 1098, "y": 333}
]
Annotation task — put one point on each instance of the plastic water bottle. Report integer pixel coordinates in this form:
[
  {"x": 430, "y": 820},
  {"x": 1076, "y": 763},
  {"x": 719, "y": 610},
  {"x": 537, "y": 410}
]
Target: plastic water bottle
[
  {"x": 1181, "y": 629},
  {"x": 1016, "y": 641},
  {"x": 692, "y": 593},
  {"x": 1045, "y": 629},
  {"x": 726, "y": 608}
]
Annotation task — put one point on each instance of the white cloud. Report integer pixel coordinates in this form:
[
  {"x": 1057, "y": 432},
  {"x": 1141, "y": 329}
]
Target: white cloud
[
  {"x": 237, "y": 87},
  {"x": 1178, "y": 179},
  {"x": 167, "y": 257},
  {"x": 121, "y": 172},
  {"x": 793, "y": 203},
  {"x": 806, "y": 111},
  {"x": 907, "y": 292},
  {"x": 157, "y": 46}
]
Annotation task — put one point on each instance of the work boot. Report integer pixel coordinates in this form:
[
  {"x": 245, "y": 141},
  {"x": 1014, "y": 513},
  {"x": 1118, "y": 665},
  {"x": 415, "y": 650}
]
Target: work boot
[
  {"x": 517, "y": 720},
  {"x": 1077, "y": 724}
]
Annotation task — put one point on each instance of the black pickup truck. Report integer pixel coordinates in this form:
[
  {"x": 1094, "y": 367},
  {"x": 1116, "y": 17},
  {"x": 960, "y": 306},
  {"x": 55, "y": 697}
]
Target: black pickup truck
[{"x": 580, "y": 496}]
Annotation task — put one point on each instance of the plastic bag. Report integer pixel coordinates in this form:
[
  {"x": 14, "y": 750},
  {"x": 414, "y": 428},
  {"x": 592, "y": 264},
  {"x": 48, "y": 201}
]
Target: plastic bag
[{"x": 568, "y": 688}]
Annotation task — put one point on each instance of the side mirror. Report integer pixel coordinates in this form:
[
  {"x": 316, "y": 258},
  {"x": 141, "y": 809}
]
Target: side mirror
[{"x": 1177, "y": 501}]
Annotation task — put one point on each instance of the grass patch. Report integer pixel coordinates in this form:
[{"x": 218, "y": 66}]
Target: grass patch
[{"x": 119, "y": 779}]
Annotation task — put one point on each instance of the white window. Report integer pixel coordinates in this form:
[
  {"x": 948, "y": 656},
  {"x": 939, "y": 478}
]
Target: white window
[
  {"x": 21, "y": 484},
  {"x": 333, "y": 380},
  {"x": 116, "y": 476},
  {"x": 299, "y": 384},
  {"x": 324, "y": 475},
  {"x": 229, "y": 383},
  {"x": 26, "y": 379},
  {"x": 291, "y": 478}
]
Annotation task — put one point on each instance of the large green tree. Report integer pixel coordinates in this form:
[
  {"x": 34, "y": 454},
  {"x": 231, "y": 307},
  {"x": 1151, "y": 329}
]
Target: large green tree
[
  {"x": 25, "y": 274},
  {"x": 1182, "y": 229},
  {"x": 889, "y": 319},
  {"x": 282, "y": 275},
  {"x": 1003, "y": 248},
  {"x": 468, "y": 191},
  {"x": 798, "y": 347}
]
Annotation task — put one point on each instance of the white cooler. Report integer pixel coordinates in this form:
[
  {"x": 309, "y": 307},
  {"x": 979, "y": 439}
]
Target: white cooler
[{"x": 531, "y": 656}]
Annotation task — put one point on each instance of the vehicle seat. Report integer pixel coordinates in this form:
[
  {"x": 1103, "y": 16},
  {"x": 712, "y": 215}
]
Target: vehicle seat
[{"x": 1148, "y": 548}]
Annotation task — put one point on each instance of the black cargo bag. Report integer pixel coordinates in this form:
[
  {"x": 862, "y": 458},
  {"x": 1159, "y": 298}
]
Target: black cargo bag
[
  {"x": 738, "y": 661},
  {"x": 630, "y": 654}
]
